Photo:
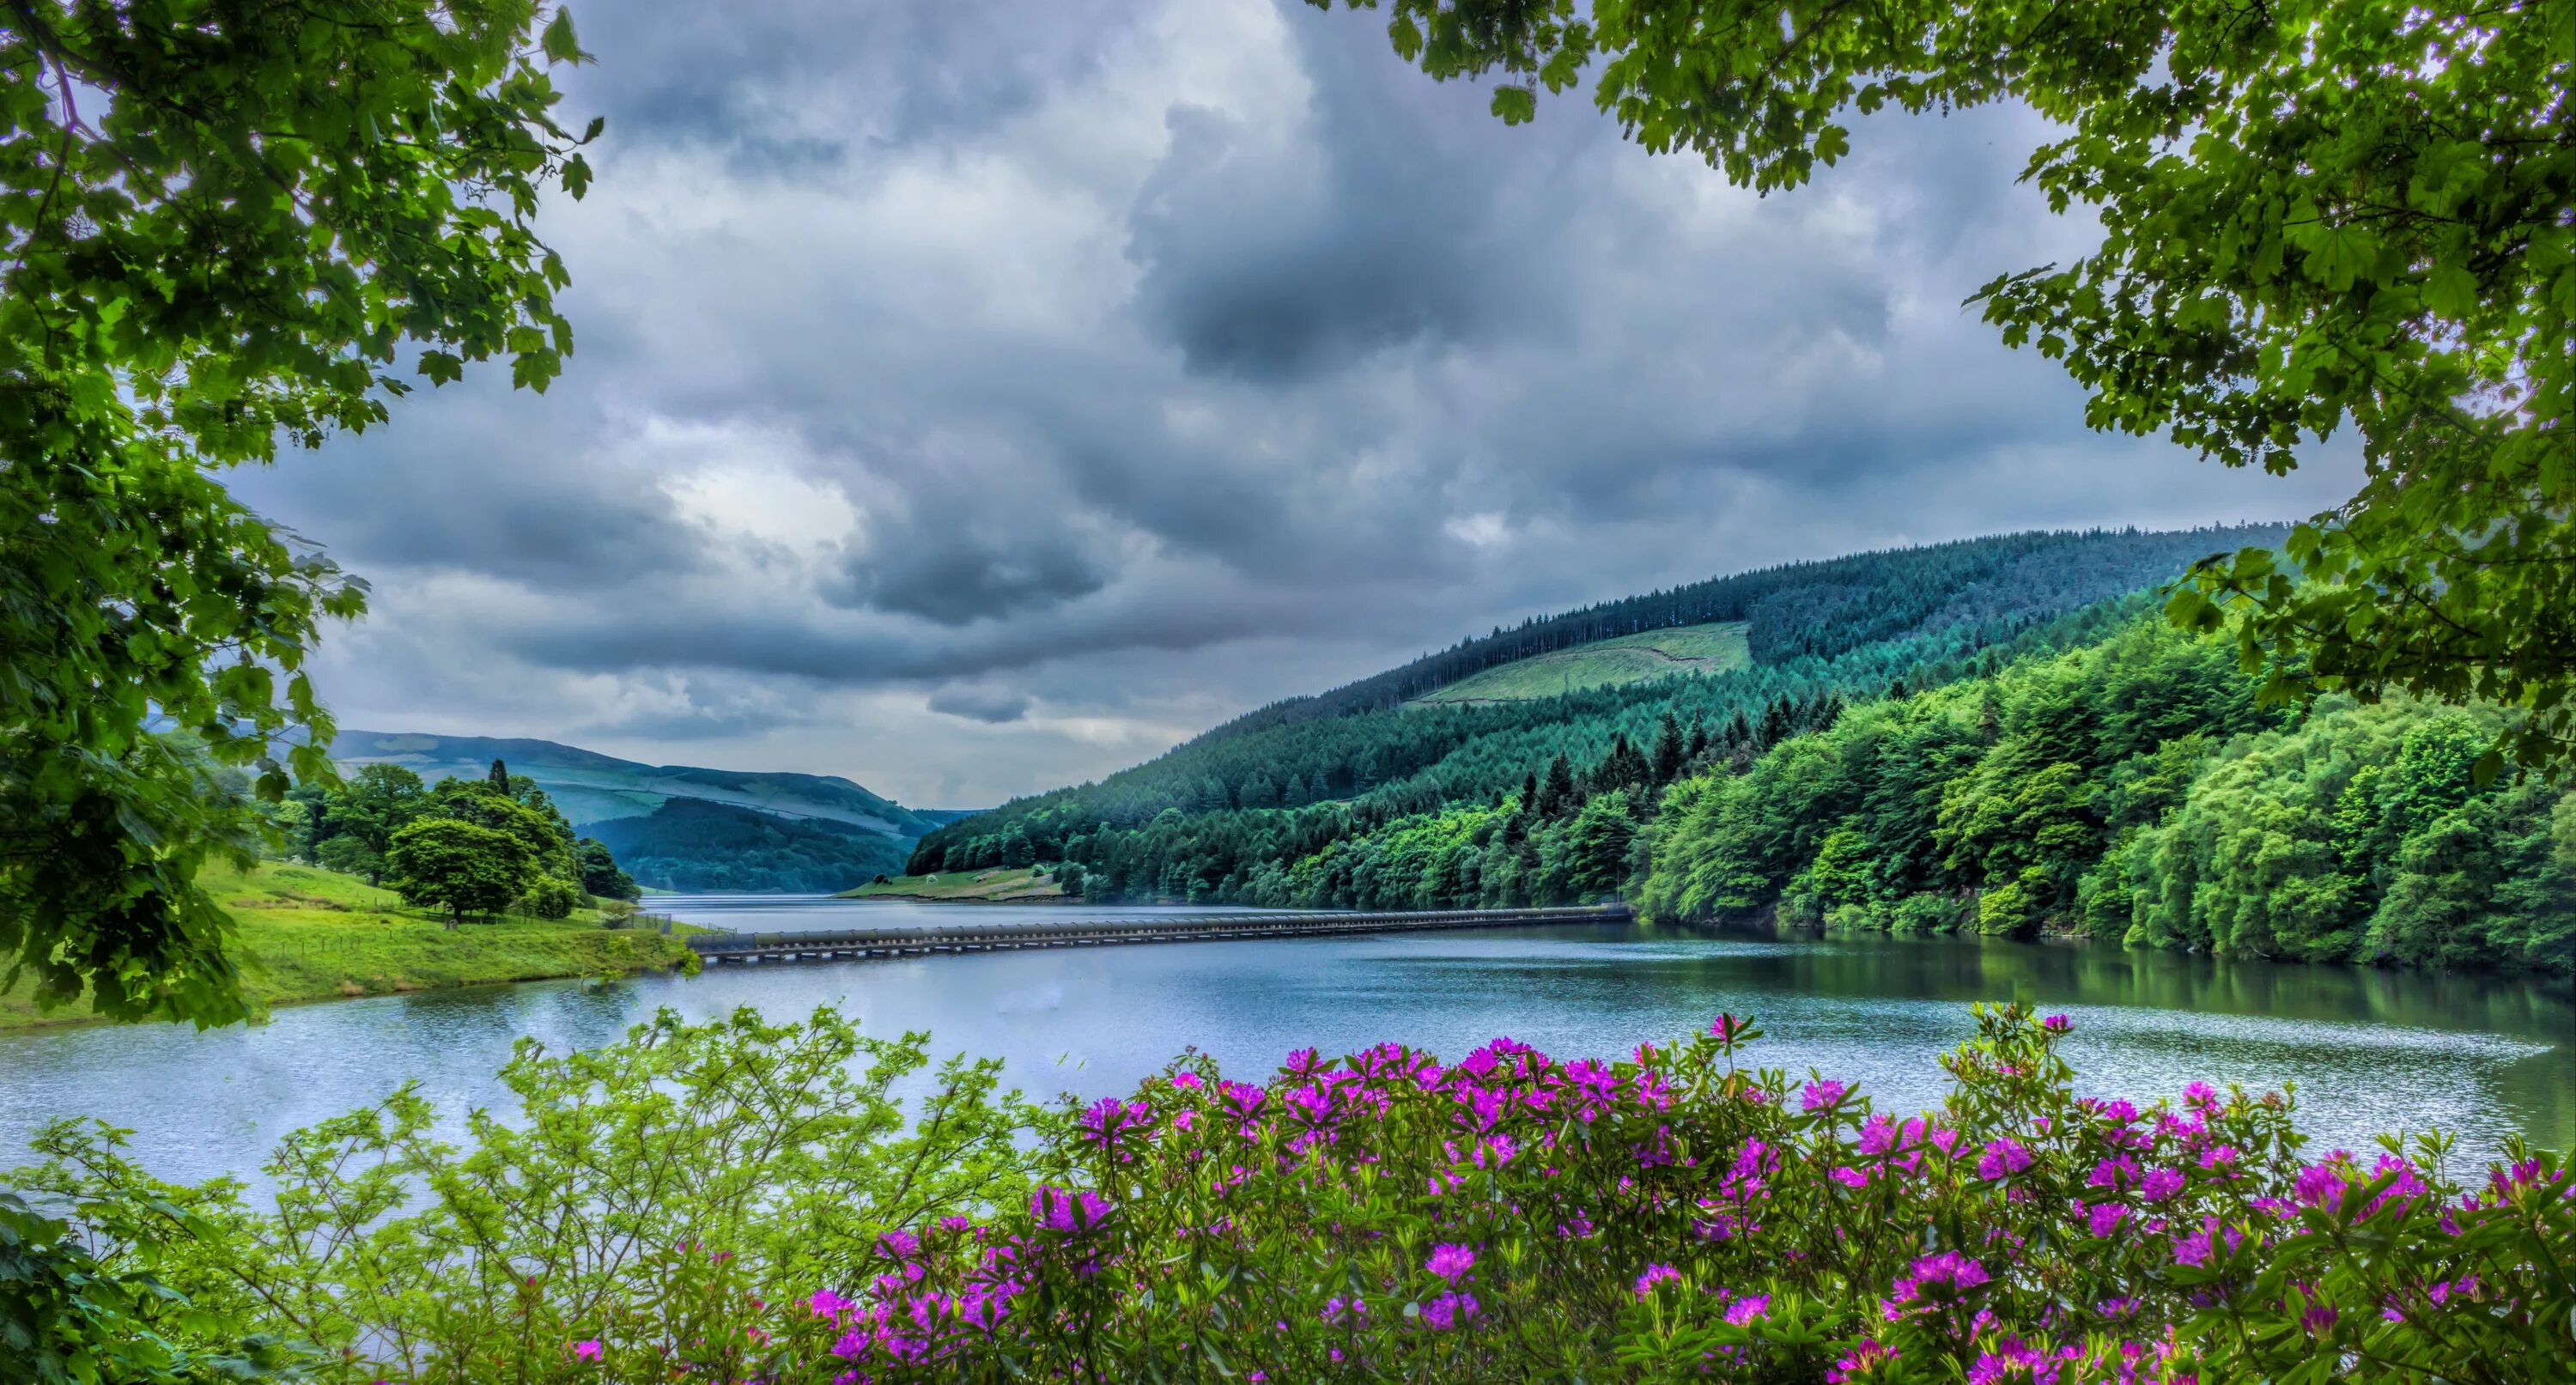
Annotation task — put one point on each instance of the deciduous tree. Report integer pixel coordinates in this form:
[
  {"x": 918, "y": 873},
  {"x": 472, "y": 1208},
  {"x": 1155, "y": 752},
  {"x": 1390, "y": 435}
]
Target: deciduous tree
[
  {"x": 2344, "y": 213},
  {"x": 227, "y": 224}
]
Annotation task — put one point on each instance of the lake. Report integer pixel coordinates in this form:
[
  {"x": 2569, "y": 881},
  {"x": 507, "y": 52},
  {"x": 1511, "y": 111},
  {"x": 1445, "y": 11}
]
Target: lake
[{"x": 2483, "y": 1056}]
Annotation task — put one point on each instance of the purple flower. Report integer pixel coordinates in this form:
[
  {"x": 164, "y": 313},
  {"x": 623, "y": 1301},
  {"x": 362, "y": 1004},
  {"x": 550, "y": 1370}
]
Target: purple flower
[
  {"x": 1860, "y": 1363},
  {"x": 2056, "y": 1024},
  {"x": 2114, "y": 1174},
  {"x": 1746, "y": 1309},
  {"x": 586, "y": 1351},
  {"x": 1449, "y": 1310},
  {"x": 2193, "y": 1249},
  {"x": 1450, "y": 1262},
  {"x": 1821, "y": 1095},
  {"x": 1654, "y": 1275},
  {"x": 2104, "y": 1218},
  {"x": 1059, "y": 1209},
  {"x": 2003, "y": 1158},
  {"x": 1939, "y": 1278},
  {"x": 1110, "y": 1122},
  {"x": 1850, "y": 1177},
  {"x": 2160, "y": 1184}
]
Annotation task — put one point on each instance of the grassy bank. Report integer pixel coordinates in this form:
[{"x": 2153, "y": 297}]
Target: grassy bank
[
  {"x": 309, "y": 934},
  {"x": 998, "y": 885}
]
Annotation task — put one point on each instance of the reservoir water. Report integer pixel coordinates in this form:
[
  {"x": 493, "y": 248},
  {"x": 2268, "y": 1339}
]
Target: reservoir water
[{"x": 2483, "y": 1056}]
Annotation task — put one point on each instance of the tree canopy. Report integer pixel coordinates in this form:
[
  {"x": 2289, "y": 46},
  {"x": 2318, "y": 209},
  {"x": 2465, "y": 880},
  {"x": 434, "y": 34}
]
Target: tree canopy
[
  {"x": 2318, "y": 214},
  {"x": 228, "y": 224}
]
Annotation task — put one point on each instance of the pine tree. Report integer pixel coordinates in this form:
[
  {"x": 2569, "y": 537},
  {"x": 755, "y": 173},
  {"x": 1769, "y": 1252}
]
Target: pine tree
[
  {"x": 500, "y": 779},
  {"x": 1669, "y": 751},
  {"x": 1557, "y": 793},
  {"x": 1777, "y": 721}
]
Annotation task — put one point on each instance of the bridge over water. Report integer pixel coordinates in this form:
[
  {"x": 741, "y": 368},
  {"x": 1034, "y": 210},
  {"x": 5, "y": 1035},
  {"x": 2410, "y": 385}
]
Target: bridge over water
[{"x": 1198, "y": 928}]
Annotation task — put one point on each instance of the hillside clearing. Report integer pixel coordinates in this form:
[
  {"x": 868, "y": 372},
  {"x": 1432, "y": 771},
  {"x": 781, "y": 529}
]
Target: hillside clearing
[
  {"x": 1695, "y": 649},
  {"x": 1000, "y": 884}
]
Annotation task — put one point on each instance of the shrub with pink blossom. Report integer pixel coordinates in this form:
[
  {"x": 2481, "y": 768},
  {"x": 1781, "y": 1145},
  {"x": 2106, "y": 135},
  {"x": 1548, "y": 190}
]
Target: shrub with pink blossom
[{"x": 1675, "y": 1216}]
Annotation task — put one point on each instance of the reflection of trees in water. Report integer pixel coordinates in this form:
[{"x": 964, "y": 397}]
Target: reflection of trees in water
[{"x": 1969, "y": 969}]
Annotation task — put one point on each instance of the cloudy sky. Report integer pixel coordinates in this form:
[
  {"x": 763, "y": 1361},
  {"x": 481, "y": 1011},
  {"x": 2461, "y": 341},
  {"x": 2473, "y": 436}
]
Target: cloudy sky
[{"x": 982, "y": 396}]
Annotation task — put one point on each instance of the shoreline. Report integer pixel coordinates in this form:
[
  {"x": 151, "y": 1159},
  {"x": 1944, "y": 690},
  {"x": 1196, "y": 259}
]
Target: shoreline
[{"x": 959, "y": 899}]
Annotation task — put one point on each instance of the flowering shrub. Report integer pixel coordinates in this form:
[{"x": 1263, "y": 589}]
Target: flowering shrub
[{"x": 1675, "y": 1215}]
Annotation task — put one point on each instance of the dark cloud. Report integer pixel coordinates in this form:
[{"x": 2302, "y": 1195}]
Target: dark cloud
[
  {"x": 991, "y": 705},
  {"x": 478, "y": 479},
  {"x": 1400, "y": 213},
  {"x": 982, "y": 396},
  {"x": 954, "y": 583},
  {"x": 793, "y": 82}
]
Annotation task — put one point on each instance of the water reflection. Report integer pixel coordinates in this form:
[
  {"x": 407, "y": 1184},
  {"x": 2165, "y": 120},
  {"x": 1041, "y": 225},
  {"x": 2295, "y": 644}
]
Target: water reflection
[{"x": 2482, "y": 1056}]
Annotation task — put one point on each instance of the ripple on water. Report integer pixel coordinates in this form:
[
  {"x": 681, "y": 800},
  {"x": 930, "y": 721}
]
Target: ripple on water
[{"x": 2367, "y": 1050}]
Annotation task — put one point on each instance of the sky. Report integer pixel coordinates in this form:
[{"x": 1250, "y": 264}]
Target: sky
[{"x": 980, "y": 397}]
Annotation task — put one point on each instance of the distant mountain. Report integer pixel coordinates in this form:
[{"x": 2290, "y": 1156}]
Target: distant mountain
[
  {"x": 695, "y": 845},
  {"x": 683, "y": 827},
  {"x": 591, "y": 787}
]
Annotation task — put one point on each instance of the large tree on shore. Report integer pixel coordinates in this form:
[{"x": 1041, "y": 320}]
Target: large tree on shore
[
  {"x": 227, "y": 224},
  {"x": 2315, "y": 214}
]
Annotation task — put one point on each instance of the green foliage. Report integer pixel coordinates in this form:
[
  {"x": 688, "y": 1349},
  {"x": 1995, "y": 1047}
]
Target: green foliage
[
  {"x": 740, "y": 1201},
  {"x": 2137, "y": 789},
  {"x": 2311, "y": 215},
  {"x": 451, "y": 864},
  {"x": 2363, "y": 833},
  {"x": 600, "y": 873},
  {"x": 589, "y": 1212},
  {"x": 551, "y": 898},
  {"x": 229, "y": 225},
  {"x": 67, "y": 1319}
]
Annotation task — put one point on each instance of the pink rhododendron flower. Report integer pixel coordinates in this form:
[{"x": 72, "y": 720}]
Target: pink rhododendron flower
[{"x": 1450, "y": 1262}]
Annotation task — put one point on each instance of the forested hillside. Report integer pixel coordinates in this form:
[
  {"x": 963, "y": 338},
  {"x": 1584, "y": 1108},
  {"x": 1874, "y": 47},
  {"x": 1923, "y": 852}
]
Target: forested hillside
[
  {"x": 691, "y": 844},
  {"x": 1914, "y": 748},
  {"x": 2133, "y": 789},
  {"x": 1973, "y": 588}
]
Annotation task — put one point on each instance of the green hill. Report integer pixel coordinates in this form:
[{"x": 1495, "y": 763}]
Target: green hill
[
  {"x": 1778, "y": 651},
  {"x": 591, "y": 787},
  {"x": 1686, "y": 649},
  {"x": 694, "y": 845},
  {"x": 1999, "y": 736}
]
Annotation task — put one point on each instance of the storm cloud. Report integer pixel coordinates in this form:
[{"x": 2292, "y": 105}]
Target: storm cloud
[{"x": 979, "y": 397}]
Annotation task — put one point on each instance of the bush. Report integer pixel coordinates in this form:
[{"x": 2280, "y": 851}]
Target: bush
[
  {"x": 553, "y": 898},
  {"x": 1378, "y": 1217}
]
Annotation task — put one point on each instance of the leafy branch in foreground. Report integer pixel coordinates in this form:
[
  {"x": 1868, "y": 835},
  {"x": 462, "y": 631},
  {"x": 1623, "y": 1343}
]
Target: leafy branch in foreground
[
  {"x": 224, "y": 222},
  {"x": 2312, "y": 214}
]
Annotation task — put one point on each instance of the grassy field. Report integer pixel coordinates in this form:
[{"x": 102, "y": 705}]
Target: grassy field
[
  {"x": 307, "y": 934},
  {"x": 1605, "y": 663},
  {"x": 1016, "y": 884}
]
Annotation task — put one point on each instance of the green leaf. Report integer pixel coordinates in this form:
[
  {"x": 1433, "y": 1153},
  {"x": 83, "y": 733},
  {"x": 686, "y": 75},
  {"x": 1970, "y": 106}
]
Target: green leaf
[{"x": 559, "y": 43}]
